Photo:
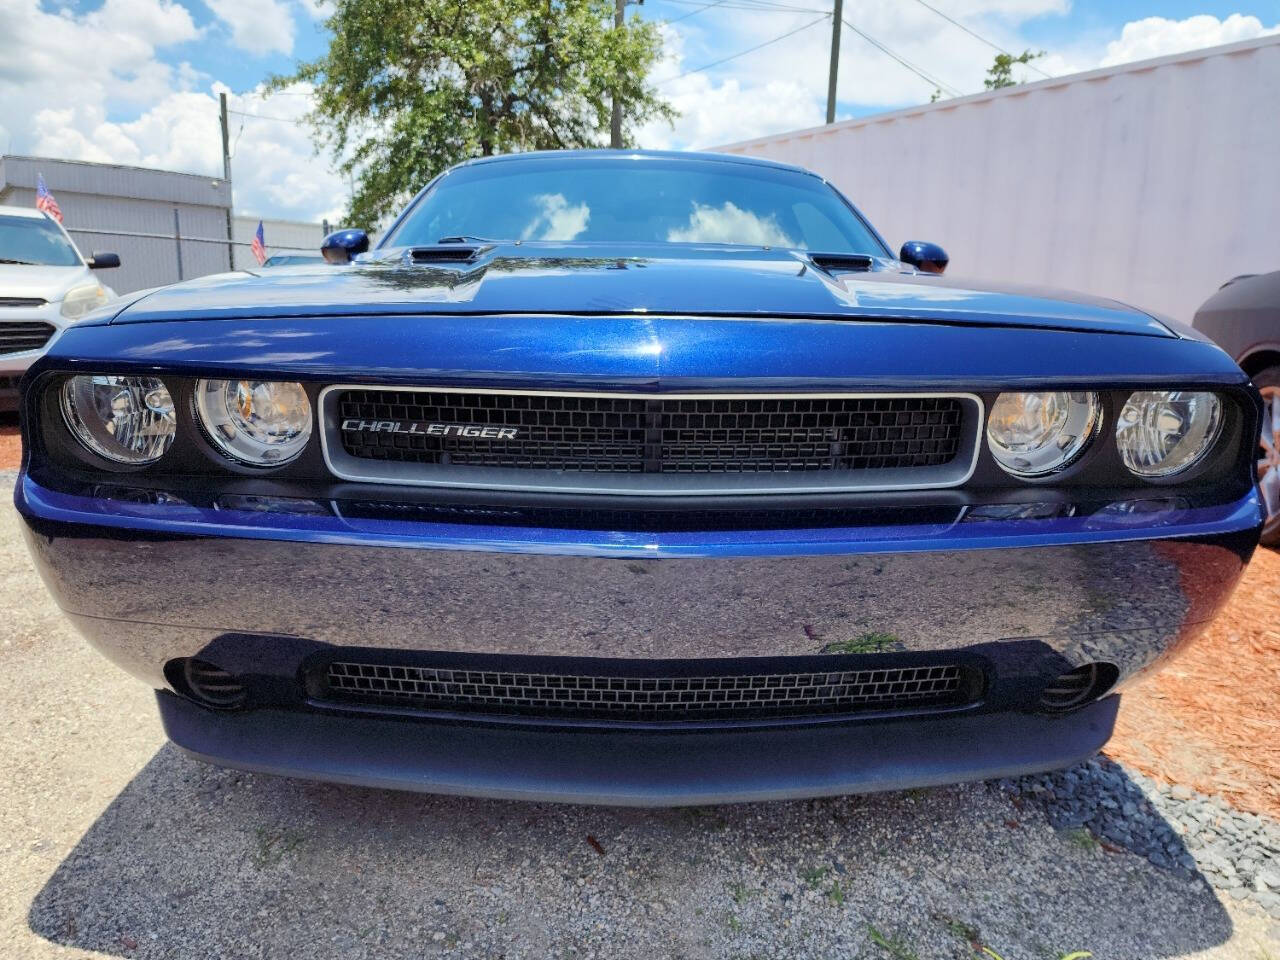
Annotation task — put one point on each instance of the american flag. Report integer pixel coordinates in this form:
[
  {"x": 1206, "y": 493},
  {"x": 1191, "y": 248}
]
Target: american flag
[
  {"x": 259, "y": 245},
  {"x": 48, "y": 205}
]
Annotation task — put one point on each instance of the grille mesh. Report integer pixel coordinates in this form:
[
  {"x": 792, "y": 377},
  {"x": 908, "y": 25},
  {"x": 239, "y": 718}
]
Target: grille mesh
[
  {"x": 603, "y": 434},
  {"x": 22, "y": 335},
  {"x": 646, "y": 698}
]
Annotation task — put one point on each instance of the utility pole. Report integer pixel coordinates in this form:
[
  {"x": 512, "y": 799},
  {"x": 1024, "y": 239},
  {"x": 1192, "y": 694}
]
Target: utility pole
[
  {"x": 836, "y": 18},
  {"x": 226, "y": 176},
  {"x": 615, "y": 122}
]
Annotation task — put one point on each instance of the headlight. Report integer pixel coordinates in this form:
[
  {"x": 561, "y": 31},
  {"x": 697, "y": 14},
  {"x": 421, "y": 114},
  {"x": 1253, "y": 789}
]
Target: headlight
[
  {"x": 125, "y": 419},
  {"x": 1163, "y": 432},
  {"x": 258, "y": 422},
  {"x": 1035, "y": 434},
  {"x": 81, "y": 300}
]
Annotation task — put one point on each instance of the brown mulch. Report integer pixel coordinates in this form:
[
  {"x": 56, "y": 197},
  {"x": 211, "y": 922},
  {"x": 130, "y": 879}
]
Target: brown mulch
[
  {"x": 10, "y": 444},
  {"x": 1208, "y": 719}
]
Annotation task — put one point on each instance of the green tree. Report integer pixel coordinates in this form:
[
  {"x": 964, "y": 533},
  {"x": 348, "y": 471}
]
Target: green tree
[
  {"x": 1000, "y": 73},
  {"x": 410, "y": 87}
]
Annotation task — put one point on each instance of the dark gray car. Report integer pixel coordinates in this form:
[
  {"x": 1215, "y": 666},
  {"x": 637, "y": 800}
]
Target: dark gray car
[{"x": 1244, "y": 319}]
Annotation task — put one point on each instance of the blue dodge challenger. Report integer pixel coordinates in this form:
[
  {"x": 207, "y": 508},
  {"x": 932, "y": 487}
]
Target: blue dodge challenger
[{"x": 635, "y": 478}]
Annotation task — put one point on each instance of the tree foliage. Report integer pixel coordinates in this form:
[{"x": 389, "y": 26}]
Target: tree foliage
[
  {"x": 1000, "y": 73},
  {"x": 411, "y": 87}
]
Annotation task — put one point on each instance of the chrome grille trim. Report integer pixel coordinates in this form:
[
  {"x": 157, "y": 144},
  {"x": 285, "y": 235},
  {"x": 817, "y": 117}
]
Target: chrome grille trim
[
  {"x": 641, "y": 699},
  {"x": 357, "y": 469}
]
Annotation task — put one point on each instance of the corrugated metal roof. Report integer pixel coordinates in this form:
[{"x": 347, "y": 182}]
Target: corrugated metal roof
[{"x": 136, "y": 183}]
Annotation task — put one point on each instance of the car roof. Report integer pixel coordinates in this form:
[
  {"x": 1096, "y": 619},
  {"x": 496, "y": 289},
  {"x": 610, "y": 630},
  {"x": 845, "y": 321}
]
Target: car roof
[
  {"x": 29, "y": 212},
  {"x": 534, "y": 156}
]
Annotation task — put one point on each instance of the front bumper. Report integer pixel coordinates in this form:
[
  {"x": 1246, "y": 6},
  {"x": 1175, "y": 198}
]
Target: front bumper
[
  {"x": 649, "y": 769},
  {"x": 263, "y": 593}
]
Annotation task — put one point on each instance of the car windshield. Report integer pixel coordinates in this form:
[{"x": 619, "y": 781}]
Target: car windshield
[
  {"x": 646, "y": 200},
  {"x": 36, "y": 241}
]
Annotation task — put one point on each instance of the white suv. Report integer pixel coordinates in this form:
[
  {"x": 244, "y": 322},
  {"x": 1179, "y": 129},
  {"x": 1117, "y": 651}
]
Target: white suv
[{"x": 45, "y": 285}]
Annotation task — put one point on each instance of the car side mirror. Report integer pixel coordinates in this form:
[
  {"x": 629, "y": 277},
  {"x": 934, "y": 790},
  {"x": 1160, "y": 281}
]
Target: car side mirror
[
  {"x": 341, "y": 245},
  {"x": 103, "y": 261},
  {"x": 925, "y": 257}
]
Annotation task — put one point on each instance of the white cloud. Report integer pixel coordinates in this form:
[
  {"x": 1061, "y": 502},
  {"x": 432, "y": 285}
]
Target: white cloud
[
  {"x": 257, "y": 26},
  {"x": 66, "y": 79},
  {"x": 783, "y": 86},
  {"x": 1158, "y": 37},
  {"x": 556, "y": 220},
  {"x": 728, "y": 223}
]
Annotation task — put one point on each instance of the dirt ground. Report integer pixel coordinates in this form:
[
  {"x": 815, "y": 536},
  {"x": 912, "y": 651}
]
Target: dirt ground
[
  {"x": 1173, "y": 725},
  {"x": 1208, "y": 720}
]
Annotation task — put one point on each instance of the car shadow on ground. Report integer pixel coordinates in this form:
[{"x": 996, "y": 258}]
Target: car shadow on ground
[{"x": 192, "y": 861}]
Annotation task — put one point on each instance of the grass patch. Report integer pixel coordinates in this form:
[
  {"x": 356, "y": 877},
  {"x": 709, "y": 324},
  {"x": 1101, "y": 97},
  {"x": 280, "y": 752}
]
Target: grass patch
[
  {"x": 867, "y": 643},
  {"x": 272, "y": 848},
  {"x": 1083, "y": 839},
  {"x": 814, "y": 875},
  {"x": 894, "y": 946}
]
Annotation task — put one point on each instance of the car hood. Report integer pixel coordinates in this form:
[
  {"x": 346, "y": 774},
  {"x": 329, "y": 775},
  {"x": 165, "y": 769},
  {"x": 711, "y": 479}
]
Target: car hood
[
  {"x": 586, "y": 279},
  {"x": 47, "y": 283}
]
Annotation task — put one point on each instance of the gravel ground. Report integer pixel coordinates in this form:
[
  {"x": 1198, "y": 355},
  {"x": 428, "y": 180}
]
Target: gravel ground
[
  {"x": 113, "y": 844},
  {"x": 1174, "y": 827}
]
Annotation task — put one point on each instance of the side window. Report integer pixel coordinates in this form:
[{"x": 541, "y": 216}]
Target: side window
[{"x": 816, "y": 228}]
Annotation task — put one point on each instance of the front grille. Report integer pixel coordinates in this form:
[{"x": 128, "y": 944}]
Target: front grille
[
  {"x": 22, "y": 302},
  {"x": 748, "y": 696},
  {"x": 19, "y": 336},
  {"x": 603, "y": 434}
]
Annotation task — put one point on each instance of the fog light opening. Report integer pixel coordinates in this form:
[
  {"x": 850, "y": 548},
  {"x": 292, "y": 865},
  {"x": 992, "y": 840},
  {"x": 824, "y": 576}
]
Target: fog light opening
[
  {"x": 1077, "y": 687},
  {"x": 207, "y": 684}
]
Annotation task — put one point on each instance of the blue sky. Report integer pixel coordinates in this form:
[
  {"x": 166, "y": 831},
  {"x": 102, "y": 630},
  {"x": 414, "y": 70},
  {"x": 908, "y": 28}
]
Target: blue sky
[{"x": 136, "y": 81}]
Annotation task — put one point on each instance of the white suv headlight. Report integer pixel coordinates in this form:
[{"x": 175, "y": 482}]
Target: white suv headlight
[{"x": 80, "y": 300}]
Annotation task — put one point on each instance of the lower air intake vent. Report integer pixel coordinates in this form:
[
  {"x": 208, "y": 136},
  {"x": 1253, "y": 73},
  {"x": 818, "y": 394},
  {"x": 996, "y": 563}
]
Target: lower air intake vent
[
  {"x": 1078, "y": 687},
  {"x": 650, "y": 698},
  {"x": 212, "y": 685}
]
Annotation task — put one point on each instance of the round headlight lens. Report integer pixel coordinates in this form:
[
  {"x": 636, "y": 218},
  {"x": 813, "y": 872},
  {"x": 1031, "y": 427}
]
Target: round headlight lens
[
  {"x": 1163, "y": 432},
  {"x": 1036, "y": 434},
  {"x": 124, "y": 419},
  {"x": 259, "y": 422}
]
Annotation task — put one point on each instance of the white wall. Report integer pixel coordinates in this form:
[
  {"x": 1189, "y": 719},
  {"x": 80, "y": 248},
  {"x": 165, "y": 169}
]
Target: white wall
[{"x": 1152, "y": 182}]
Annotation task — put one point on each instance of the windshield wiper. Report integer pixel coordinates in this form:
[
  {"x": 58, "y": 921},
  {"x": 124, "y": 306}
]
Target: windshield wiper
[
  {"x": 21, "y": 263},
  {"x": 464, "y": 238}
]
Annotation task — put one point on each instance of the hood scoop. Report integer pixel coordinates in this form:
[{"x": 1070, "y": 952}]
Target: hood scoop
[
  {"x": 833, "y": 263},
  {"x": 446, "y": 253}
]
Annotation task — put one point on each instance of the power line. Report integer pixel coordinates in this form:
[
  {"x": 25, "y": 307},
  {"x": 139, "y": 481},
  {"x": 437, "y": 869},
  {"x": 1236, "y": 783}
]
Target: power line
[
  {"x": 978, "y": 36},
  {"x": 263, "y": 116},
  {"x": 906, "y": 63},
  {"x": 743, "y": 53},
  {"x": 753, "y": 5},
  {"x": 691, "y": 13}
]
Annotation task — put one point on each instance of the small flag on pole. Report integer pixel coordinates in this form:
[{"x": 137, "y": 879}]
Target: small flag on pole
[
  {"x": 45, "y": 202},
  {"x": 259, "y": 245}
]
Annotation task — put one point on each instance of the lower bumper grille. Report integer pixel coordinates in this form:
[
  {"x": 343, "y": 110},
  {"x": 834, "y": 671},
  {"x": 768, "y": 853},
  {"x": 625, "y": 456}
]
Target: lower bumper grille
[
  {"x": 655, "y": 698},
  {"x": 19, "y": 336}
]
